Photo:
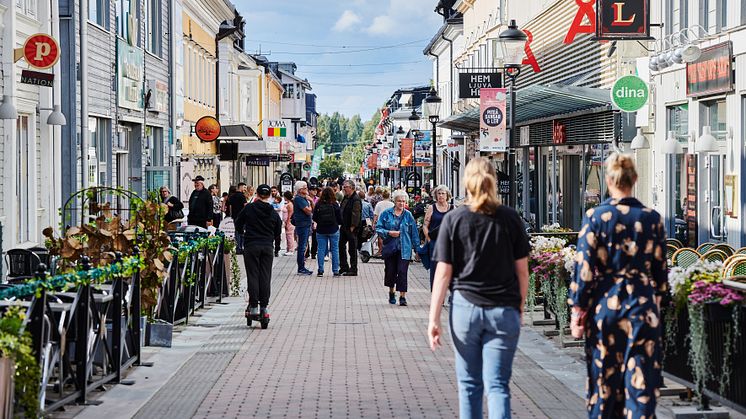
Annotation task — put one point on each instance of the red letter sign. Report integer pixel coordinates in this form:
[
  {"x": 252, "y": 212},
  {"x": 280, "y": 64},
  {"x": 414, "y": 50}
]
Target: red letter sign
[
  {"x": 585, "y": 9},
  {"x": 530, "y": 59},
  {"x": 41, "y": 51}
]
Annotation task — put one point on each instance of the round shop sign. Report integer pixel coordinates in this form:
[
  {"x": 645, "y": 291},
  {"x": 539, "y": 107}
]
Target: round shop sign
[
  {"x": 41, "y": 51},
  {"x": 493, "y": 116},
  {"x": 629, "y": 93},
  {"x": 207, "y": 129}
]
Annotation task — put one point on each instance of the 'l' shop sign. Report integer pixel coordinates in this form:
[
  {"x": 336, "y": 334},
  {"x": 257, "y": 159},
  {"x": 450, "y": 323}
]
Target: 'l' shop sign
[{"x": 623, "y": 19}]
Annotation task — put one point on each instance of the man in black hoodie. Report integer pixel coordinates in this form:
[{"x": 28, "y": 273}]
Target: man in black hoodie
[
  {"x": 259, "y": 224},
  {"x": 200, "y": 204}
]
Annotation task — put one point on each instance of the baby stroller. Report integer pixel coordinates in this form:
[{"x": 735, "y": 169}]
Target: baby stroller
[{"x": 369, "y": 240}]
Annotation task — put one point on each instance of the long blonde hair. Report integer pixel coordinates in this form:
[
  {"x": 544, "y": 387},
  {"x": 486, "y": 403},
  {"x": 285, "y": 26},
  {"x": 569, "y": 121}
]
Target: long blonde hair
[
  {"x": 620, "y": 169},
  {"x": 481, "y": 185}
]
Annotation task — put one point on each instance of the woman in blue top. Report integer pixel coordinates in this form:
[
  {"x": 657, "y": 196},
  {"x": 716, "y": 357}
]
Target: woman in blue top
[
  {"x": 433, "y": 217},
  {"x": 615, "y": 297},
  {"x": 398, "y": 228},
  {"x": 328, "y": 217}
]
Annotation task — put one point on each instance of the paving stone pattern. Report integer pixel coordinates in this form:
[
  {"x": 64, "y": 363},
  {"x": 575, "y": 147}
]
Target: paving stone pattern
[{"x": 336, "y": 348}]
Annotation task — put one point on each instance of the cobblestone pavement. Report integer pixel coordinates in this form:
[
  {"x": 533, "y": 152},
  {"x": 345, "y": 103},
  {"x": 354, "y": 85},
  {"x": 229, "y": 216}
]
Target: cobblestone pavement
[{"x": 336, "y": 348}]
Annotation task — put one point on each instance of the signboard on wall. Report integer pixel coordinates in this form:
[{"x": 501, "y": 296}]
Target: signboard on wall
[
  {"x": 691, "y": 200},
  {"x": 712, "y": 73},
  {"x": 492, "y": 138},
  {"x": 130, "y": 72},
  {"x": 623, "y": 19},
  {"x": 158, "y": 95},
  {"x": 469, "y": 84}
]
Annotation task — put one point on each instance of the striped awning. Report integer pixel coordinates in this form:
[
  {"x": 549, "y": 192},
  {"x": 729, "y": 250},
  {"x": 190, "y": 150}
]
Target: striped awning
[{"x": 538, "y": 103}]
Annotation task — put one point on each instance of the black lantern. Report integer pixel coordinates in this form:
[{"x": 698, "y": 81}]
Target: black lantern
[{"x": 512, "y": 42}]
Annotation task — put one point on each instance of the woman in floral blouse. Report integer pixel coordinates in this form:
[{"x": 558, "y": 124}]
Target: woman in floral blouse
[{"x": 615, "y": 295}]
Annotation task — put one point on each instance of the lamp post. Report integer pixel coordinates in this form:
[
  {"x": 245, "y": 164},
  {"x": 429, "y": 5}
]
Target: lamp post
[
  {"x": 512, "y": 41},
  {"x": 432, "y": 101},
  {"x": 414, "y": 126}
]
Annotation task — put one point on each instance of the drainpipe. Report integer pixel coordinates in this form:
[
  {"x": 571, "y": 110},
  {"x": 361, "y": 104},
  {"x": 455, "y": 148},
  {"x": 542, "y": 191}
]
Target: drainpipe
[
  {"x": 83, "y": 30},
  {"x": 450, "y": 48},
  {"x": 55, "y": 131}
]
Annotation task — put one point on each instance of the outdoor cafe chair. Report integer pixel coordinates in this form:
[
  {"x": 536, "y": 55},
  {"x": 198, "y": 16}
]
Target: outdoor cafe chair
[
  {"x": 22, "y": 264},
  {"x": 675, "y": 243},
  {"x": 685, "y": 257},
  {"x": 714, "y": 255},
  {"x": 725, "y": 247},
  {"x": 704, "y": 247}
]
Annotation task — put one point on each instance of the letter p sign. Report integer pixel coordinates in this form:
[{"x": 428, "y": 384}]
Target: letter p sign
[{"x": 41, "y": 51}]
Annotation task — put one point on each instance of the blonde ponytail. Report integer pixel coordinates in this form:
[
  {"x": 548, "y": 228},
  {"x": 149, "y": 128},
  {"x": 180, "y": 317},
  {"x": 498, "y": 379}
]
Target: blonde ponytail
[
  {"x": 620, "y": 169},
  {"x": 481, "y": 185}
]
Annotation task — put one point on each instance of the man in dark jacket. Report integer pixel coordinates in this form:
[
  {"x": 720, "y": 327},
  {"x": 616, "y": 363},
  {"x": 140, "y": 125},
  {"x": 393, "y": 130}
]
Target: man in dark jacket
[
  {"x": 236, "y": 202},
  {"x": 352, "y": 210},
  {"x": 260, "y": 225},
  {"x": 200, "y": 204}
]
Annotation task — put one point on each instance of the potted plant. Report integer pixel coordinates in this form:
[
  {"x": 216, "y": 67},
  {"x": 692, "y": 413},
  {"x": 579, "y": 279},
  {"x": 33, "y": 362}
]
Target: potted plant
[{"x": 20, "y": 376}]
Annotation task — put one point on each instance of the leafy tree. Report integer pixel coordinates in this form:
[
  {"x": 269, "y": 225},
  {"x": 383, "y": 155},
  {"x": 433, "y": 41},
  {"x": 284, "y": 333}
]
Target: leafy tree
[
  {"x": 331, "y": 167},
  {"x": 352, "y": 157}
]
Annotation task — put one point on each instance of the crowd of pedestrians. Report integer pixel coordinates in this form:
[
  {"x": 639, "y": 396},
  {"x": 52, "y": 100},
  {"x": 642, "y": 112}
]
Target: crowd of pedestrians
[{"x": 479, "y": 251}]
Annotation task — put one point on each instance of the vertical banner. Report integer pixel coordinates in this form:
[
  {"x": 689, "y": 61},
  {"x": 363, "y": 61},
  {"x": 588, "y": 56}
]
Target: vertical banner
[
  {"x": 373, "y": 161},
  {"x": 423, "y": 148},
  {"x": 407, "y": 152},
  {"x": 492, "y": 138},
  {"x": 383, "y": 159},
  {"x": 316, "y": 162}
]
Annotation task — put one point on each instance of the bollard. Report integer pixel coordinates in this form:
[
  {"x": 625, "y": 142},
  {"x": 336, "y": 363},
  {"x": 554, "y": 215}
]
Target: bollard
[
  {"x": 116, "y": 322},
  {"x": 81, "y": 340},
  {"x": 37, "y": 325}
]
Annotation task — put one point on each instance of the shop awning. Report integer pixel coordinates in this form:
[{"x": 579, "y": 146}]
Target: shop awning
[
  {"x": 536, "y": 103},
  {"x": 238, "y": 132}
]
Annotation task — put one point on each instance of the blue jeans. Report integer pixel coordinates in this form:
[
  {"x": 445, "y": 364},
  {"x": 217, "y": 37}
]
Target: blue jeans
[
  {"x": 303, "y": 233},
  {"x": 485, "y": 340},
  {"x": 328, "y": 243}
]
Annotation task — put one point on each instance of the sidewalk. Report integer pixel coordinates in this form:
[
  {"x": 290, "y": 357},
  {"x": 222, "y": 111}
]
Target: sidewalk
[{"x": 334, "y": 348}]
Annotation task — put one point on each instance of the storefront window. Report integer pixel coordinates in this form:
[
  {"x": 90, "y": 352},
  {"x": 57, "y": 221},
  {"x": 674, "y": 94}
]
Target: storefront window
[
  {"x": 678, "y": 123},
  {"x": 715, "y": 116}
]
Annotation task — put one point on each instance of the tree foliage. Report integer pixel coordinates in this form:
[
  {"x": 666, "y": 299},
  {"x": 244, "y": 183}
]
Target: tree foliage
[
  {"x": 331, "y": 167},
  {"x": 346, "y": 136}
]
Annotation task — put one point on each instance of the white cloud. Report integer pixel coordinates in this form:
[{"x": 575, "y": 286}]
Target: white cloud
[
  {"x": 346, "y": 21},
  {"x": 382, "y": 25}
]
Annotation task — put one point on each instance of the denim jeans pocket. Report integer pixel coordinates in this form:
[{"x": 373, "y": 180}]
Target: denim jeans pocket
[{"x": 462, "y": 316}]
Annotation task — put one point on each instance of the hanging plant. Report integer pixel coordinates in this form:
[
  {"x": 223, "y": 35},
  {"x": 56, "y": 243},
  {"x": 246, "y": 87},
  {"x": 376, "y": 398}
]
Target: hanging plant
[
  {"x": 531, "y": 296},
  {"x": 235, "y": 287},
  {"x": 16, "y": 344},
  {"x": 704, "y": 293}
]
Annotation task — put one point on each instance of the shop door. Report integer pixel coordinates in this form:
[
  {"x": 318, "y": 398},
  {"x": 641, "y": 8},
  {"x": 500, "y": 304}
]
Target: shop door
[
  {"x": 715, "y": 197},
  {"x": 571, "y": 184}
]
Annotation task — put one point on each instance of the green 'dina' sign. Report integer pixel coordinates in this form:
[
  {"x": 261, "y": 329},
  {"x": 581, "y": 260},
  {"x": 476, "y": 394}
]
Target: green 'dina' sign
[{"x": 629, "y": 93}]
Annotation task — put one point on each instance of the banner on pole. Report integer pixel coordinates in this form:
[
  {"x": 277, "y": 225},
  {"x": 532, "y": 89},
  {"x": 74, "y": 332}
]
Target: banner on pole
[
  {"x": 423, "y": 150},
  {"x": 373, "y": 161},
  {"x": 383, "y": 159},
  {"x": 316, "y": 161},
  {"x": 407, "y": 152},
  {"x": 492, "y": 138}
]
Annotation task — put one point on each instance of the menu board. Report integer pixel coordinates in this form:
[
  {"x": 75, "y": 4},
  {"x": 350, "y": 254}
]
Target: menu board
[{"x": 691, "y": 200}]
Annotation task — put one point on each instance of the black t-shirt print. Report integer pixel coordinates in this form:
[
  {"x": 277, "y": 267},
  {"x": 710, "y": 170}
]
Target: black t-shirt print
[{"x": 482, "y": 250}]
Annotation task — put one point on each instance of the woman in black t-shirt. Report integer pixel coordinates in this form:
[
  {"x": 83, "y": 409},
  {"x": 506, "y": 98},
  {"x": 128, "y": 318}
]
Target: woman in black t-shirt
[{"x": 483, "y": 249}]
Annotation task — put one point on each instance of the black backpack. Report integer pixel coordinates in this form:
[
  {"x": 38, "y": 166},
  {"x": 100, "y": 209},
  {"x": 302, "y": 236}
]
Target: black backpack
[{"x": 326, "y": 215}]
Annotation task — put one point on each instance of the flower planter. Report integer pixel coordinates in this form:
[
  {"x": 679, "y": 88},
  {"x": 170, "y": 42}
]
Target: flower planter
[
  {"x": 159, "y": 334},
  {"x": 7, "y": 371}
]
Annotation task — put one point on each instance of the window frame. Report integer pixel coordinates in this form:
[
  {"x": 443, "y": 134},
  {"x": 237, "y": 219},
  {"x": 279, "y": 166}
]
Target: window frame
[
  {"x": 154, "y": 27},
  {"x": 101, "y": 17}
]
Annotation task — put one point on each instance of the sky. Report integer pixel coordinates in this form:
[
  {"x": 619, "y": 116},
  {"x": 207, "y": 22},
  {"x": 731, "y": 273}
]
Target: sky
[{"x": 325, "y": 38}]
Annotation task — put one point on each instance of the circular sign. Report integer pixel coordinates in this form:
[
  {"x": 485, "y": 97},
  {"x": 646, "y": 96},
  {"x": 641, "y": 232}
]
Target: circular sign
[
  {"x": 493, "y": 116},
  {"x": 41, "y": 51},
  {"x": 207, "y": 129},
  {"x": 629, "y": 93}
]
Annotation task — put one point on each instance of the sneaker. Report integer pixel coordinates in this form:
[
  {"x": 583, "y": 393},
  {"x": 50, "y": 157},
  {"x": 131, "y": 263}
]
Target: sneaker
[
  {"x": 392, "y": 298},
  {"x": 326, "y": 259},
  {"x": 320, "y": 273},
  {"x": 337, "y": 274},
  {"x": 402, "y": 301},
  {"x": 289, "y": 254},
  {"x": 350, "y": 273},
  {"x": 304, "y": 272}
]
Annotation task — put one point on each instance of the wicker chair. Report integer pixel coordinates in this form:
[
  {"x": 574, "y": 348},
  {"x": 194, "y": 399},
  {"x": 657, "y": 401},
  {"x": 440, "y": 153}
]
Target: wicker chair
[
  {"x": 704, "y": 247},
  {"x": 714, "y": 255},
  {"x": 741, "y": 251},
  {"x": 730, "y": 263},
  {"x": 725, "y": 247},
  {"x": 670, "y": 250},
  {"x": 685, "y": 257},
  {"x": 736, "y": 268},
  {"x": 675, "y": 243}
]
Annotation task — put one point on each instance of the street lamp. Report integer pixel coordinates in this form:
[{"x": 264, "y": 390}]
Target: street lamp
[
  {"x": 414, "y": 120},
  {"x": 432, "y": 101},
  {"x": 513, "y": 42}
]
